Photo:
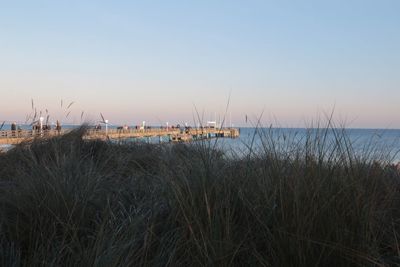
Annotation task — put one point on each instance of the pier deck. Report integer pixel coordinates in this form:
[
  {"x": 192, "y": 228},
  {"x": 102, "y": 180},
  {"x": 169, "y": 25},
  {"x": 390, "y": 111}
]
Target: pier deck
[{"x": 173, "y": 134}]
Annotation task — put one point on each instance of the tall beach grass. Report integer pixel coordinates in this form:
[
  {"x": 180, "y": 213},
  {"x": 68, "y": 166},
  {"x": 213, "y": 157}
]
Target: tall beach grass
[{"x": 67, "y": 201}]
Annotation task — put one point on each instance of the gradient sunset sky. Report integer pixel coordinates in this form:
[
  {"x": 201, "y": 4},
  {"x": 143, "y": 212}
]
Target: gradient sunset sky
[{"x": 157, "y": 60}]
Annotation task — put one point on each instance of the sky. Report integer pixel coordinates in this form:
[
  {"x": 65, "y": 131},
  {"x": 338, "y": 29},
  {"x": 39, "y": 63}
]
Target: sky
[{"x": 288, "y": 62}]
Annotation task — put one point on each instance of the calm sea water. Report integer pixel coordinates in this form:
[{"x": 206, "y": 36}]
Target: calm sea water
[
  {"x": 379, "y": 141},
  {"x": 372, "y": 142}
]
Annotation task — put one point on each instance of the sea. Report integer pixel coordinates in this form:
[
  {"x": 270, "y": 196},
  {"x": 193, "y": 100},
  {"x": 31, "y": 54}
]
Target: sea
[{"x": 378, "y": 143}]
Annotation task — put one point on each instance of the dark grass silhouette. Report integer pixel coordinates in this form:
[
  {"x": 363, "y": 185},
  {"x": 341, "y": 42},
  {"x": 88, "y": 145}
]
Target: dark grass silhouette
[{"x": 70, "y": 202}]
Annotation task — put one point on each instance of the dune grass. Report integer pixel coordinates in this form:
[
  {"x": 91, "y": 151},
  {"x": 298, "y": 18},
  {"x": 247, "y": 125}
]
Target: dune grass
[{"x": 70, "y": 202}]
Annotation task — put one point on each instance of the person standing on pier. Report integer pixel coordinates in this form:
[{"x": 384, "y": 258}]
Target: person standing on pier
[
  {"x": 13, "y": 128},
  {"x": 36, "y": 129},
  {"x": 58, "y": 127}
]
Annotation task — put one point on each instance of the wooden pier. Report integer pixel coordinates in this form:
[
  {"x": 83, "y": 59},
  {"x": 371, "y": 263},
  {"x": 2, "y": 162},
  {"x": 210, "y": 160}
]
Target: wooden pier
[{"x": 170, "y": 134}]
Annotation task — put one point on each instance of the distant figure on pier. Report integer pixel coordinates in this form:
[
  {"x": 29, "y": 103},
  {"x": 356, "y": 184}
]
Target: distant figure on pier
[
  {"x": 13, "y": 128},
  {"x": 58, "y": 126},
  {"x": 36, "y": 127}
]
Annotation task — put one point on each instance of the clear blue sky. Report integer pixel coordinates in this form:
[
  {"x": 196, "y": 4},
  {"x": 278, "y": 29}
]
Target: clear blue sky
[{"x": 157, "y": 60}]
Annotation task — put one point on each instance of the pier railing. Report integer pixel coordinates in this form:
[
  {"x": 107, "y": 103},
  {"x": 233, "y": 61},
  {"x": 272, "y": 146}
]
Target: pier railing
[
  {"x": 53, "y": 132},
  {"x": 30, "y": 133},
  {"x": 16, "y": 136}
]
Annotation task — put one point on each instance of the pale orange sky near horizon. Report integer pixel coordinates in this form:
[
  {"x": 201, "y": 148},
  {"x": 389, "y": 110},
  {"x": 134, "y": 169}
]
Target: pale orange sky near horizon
[{"x": 133, "y": 102}]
